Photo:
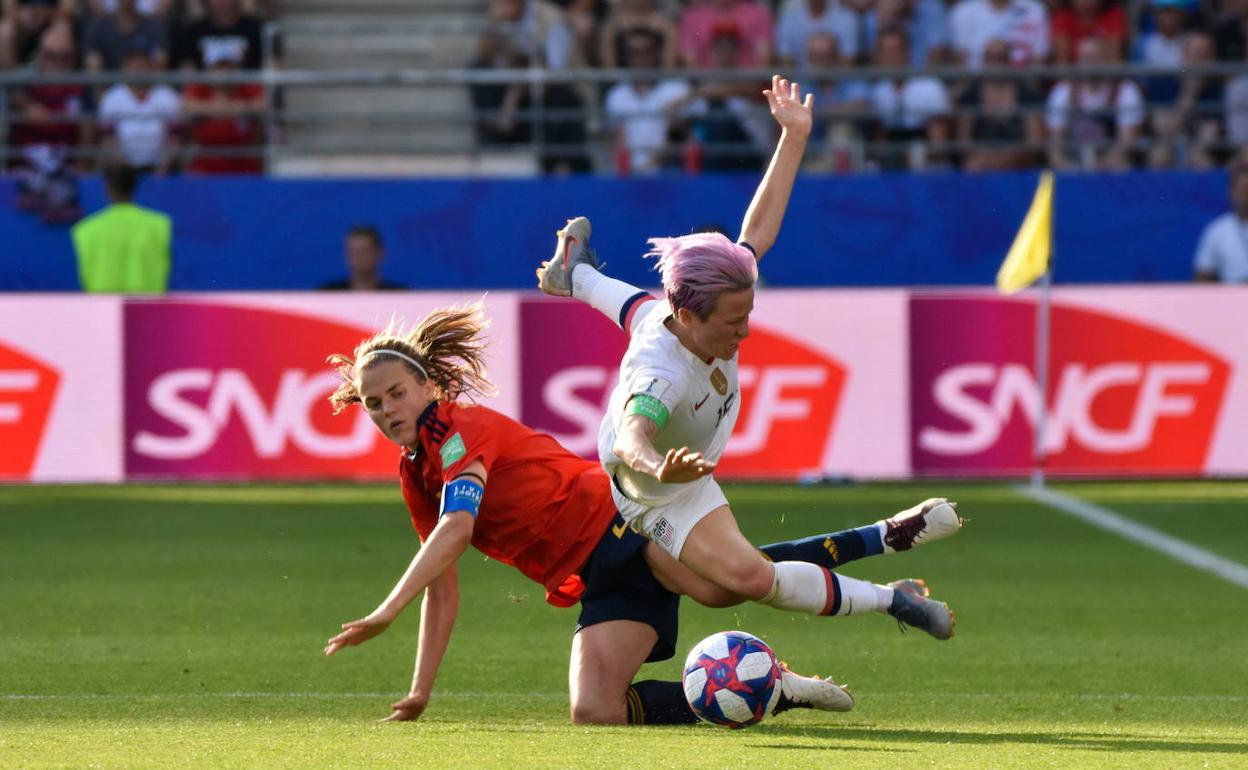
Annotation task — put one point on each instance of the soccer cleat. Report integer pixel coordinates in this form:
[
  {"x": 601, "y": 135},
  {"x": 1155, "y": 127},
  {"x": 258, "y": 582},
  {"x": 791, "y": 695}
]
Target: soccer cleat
[
  {"x": 572, "y": 249},
  {"x": 929, "y": 520},
  {"x": 811, "y": 692},
  {"x": 912, "y": 607}
]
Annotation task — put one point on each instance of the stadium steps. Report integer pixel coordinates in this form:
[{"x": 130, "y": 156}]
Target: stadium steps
[{"x": 384, "y": 129}]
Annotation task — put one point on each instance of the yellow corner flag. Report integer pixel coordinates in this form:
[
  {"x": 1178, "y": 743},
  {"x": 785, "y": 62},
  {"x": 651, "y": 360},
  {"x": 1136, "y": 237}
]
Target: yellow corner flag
[{"x": 1029, "y": 255}]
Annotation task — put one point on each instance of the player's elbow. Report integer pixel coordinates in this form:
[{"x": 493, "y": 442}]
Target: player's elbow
[{"x": 457, "y": 528}]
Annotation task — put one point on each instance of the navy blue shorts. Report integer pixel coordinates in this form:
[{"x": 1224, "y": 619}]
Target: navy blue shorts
[{"x": 620, "y": 586}]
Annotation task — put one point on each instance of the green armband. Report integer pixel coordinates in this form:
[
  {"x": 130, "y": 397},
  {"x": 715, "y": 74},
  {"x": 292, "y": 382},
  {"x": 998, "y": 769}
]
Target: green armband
[{"x": 648, "y": 406}]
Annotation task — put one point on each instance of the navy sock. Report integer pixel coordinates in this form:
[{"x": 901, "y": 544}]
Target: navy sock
[
  {"x": 658, "y": 703},
  {"x": 829, "y": 550}
]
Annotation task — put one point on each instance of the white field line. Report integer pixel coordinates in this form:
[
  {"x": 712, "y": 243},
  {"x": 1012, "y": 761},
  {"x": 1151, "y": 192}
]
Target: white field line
[
  {"x": 193, "y": 696},
  {"x": 1103, "y": 518}
]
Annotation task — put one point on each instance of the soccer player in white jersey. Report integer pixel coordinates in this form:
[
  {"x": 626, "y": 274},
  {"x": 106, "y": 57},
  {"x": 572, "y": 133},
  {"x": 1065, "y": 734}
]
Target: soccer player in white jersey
[{"x": 676, "y": 402}]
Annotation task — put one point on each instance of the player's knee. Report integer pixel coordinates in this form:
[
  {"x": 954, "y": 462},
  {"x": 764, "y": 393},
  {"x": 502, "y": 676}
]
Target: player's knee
[
  {"x": 753, "y": 580},
  {"x": 596, "y": 712}
]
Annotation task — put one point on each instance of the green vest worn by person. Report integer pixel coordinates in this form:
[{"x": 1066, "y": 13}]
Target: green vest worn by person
[{"x": 124, "y": 249}]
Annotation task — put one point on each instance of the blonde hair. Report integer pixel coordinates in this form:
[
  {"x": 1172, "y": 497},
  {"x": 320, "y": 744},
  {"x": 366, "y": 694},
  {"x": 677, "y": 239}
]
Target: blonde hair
[{"x": 447, "y": 344}]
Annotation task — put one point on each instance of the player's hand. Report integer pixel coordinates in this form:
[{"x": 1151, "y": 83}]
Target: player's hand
[
  {"x": 681, "y": 466},
  {"x": 357, "y": 632},
  {"x": 787, "y": 106},
  {"x": 409, "y": 709}
]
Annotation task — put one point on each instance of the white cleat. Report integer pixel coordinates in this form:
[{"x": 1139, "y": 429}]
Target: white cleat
[
  {"x": 929, "y": 520},
  {"x": 811, "y": 692}
]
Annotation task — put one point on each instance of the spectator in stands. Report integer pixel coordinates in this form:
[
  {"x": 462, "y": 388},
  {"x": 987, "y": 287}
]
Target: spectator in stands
[
  {"x": 108, "y": 38},
  {"x": 48, "y": 132},
  {"x": 223, "y": 118},
  {"x": 842, "y": 102},
  {"x": 698, "y": 22},
  {"x": 912, "y": 111},
  {"x": 626, "y": 15},
  {"x": 518, "y": 33},
  {"x": 23, "y": 24},
  {"x": 1236, "y": 107},
  {"x": 1079, "y": 19},
  {"x": 1163, "y": 45},
  {"x": 800, "y": 20},
  {"x": 926, "y": 23},
  {"x": 642, "y": 114},
  {"x": 727, "y": 129},
  {"x": 225, "y": 33},
  {"x": 140, "y": 120},
  {"x": 1024, "y": 24},
  {"x": 1222, "y": 254},
  {"x": 1093, "y": 121},
  {"x": 1000, "y": 116},
  {"x": 364, "y": 252},
  {"x": 123, "y": 248},
  {"x": 1186, "y": 116},
  {"x": 583, "y": 18},
  {"x": 1230, "y": 30}
]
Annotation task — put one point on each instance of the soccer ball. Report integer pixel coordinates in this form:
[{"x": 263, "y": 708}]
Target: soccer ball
[{"x": 732, "y": 679}]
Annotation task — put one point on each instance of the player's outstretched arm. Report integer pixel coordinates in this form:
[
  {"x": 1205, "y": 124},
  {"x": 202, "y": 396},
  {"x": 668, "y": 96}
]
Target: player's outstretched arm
[
  {"x": 634, "y": 445},
  {"x": 437, "y": 617},
  {"x": 449, "y": 539},
  {"x": 794, "y": 114},
  {"x": 447, "y": 542}
]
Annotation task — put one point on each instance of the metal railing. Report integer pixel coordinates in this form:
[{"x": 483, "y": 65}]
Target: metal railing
[{"x": 281, "y": 121}]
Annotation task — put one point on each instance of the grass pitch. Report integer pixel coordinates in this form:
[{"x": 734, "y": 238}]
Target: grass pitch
[{"x": 182, "y": 626}]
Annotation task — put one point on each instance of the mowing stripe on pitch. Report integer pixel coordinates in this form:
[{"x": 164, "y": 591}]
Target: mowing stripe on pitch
[
  {"x": 528, "y": 696},
  {"x": 1103, "y": 518}
]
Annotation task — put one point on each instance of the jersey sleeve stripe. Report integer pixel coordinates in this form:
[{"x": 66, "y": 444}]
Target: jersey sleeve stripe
[{"x": 629, "y": 309}]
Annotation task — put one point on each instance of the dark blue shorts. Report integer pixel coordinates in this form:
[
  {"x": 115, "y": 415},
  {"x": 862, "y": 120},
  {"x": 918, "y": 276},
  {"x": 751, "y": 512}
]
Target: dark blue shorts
[{"x": 620, "y": 586}]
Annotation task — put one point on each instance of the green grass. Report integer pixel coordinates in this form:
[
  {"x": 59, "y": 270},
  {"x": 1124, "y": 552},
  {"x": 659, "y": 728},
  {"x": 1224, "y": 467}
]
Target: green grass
[{"x": 182, "y": 626}]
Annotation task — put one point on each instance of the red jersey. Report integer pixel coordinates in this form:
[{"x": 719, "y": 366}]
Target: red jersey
[{"x": 544, "y": 508}]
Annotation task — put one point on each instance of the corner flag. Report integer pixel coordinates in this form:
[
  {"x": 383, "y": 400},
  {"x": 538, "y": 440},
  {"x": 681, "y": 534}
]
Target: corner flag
[{"x": 1028, "y": 258}]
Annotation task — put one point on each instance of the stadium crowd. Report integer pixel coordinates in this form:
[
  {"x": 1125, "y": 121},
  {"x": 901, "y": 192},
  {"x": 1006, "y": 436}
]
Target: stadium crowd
[
  {"x": 990, "y": 113},
  {"x": 970, "y": 98},
  {"x": 56, "y": 130}
]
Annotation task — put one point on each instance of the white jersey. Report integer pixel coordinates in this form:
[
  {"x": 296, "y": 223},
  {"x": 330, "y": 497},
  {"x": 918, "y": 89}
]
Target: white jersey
[{"x": 702, "y": 401}]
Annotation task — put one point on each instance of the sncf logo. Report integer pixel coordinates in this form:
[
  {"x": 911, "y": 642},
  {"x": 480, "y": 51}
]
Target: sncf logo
[
  {"x": 1124, "y": 396},
  {"x": 215, "y": 390},
  {"x": 27, "y": 389},
  {"x": 789, "y": 392},
  {"x": 789, "y": 397}
]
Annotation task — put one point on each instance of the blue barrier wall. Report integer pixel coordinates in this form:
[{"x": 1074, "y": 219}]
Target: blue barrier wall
[{"x": 253, "y": 233}]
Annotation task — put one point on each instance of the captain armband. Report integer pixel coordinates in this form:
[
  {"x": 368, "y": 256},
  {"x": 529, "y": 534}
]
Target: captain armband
[
  {"x": 461, "y": 494},
  {"x": 648, "y": 406}
]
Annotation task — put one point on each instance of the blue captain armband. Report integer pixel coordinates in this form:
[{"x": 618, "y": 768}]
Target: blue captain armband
[{"x": 461, "y": 494}]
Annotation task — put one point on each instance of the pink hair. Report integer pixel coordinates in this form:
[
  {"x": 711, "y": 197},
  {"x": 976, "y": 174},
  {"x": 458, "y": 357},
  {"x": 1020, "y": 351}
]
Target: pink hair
[{"x": 697, "y": 268}]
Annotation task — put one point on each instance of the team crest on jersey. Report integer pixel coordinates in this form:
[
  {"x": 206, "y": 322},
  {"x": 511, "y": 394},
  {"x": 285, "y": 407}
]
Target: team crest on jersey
[
  {"x": 452, "y": 450},
  {"x": 664, "y": 532},
  {"x": 719, "y": 381}
]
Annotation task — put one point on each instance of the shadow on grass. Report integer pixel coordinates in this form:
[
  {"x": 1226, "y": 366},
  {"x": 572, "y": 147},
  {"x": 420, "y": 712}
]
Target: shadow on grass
[{"x": 1070, "y": 740}]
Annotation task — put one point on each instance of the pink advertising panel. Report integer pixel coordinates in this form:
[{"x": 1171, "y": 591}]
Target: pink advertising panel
[
  {"x": 1141, "y": 381},
  {"x": 237, "y": 386},
  {"x": 60, "y": 389}
]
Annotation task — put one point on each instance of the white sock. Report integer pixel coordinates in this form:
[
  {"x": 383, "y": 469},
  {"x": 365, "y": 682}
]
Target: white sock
[
  {"x": 860, "y": 596},
  {"x": 606, "y": 295},
  {"x": 801, "y": 586}
]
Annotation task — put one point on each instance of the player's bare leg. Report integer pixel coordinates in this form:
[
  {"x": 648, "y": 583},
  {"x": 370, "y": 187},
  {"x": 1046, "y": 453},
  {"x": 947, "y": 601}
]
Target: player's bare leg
[
  {"x": 605, "y": 658},
  {"x": 717, "y": 551}
]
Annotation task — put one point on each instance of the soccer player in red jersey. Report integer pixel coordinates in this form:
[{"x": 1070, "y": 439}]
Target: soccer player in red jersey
[{"x": 473, "y": 476}]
